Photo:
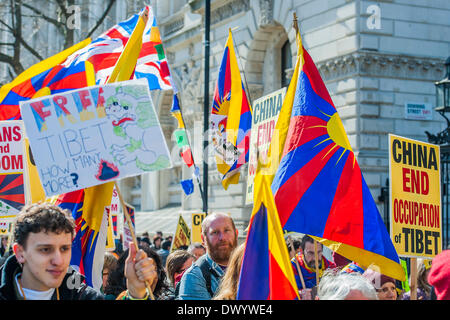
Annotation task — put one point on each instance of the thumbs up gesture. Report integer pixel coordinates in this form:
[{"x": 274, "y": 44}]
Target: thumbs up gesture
[{"x": 139, "y": 268}]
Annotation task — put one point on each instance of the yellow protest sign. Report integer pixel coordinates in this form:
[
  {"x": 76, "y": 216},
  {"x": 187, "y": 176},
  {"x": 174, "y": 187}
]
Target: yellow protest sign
[
  {"x": 197, "y": 219},
  {"x": 182, "y": 235},
  {"x": 415, "y": 197}
]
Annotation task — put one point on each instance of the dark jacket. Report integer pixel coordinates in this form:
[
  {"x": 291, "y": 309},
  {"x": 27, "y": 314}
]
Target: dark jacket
[{"x": 72, "y": 287}]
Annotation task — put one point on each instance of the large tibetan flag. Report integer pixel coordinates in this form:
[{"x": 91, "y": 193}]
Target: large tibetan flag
[
  {"x": 88, "y": 207},
  {"x": 231, "y": 118},
  {"x": 50, "y": 76},
  {"x": 140, "y": 33},
  {"x": 180, "y": 133},
  {"x": 319, "y": 188},
  {"x": 266, "y": 272}
]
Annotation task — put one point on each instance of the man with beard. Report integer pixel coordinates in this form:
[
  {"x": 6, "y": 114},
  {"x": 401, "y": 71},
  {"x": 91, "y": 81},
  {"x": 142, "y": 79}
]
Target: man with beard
[
  {"x": 201, "y": 280},
  {"x": 307, "y": 263}
]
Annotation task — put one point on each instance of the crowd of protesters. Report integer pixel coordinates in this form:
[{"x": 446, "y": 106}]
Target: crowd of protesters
[{"x": 36, "y": 263}]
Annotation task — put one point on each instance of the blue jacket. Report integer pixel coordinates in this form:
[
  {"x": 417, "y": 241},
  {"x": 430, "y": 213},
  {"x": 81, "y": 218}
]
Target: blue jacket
[{"x": 193, "y": 284}]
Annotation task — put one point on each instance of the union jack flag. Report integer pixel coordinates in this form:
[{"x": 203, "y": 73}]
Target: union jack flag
[{"x": 104, "y": 52}]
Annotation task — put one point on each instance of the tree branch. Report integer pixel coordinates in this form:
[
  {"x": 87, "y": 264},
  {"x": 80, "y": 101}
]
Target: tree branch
[
  {"x": 53, "y": 21},
  {"x": 102, "y": 18},
  {"x": 7, "y": 25},
  {"x": 16, "y": 66},
  {"x": 30, "y": 49}
]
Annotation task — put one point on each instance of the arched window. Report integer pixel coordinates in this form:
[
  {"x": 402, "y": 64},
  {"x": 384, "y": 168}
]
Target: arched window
[{"x": 286, "y": 63}]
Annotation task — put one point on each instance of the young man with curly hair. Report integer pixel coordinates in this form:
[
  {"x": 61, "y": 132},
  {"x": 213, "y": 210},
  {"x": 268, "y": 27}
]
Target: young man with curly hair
[{"x": 39, "y": 268}]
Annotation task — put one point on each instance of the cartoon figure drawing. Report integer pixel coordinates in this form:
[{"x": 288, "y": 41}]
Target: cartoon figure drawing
[{"x": 133, "y": 120}]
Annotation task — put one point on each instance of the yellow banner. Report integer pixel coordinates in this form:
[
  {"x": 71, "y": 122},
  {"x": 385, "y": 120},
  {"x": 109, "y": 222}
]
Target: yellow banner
[
  {"x": 182, "y": 235},
  {"x": 197, "y": 219},
  {"x": 415, "y": 197}
]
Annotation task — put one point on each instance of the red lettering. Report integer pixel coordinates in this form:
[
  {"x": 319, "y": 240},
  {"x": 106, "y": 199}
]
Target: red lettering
[
  {"x": 396, "y": 209},
  {"x": 17, "y": 133},
  {"x": 61, "y": 102},
  {"x": 39, "y": 108},
  {"x": 415, "y": 181},
  {"x": 406, "y": 180},
  {"x": 425, "y": 182},
  {"x": 101, "y": 99},
  {"x": 84, "y": 98}
]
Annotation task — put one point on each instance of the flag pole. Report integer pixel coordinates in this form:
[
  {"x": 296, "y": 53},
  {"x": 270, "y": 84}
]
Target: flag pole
[
  {"x": 133, "y": 235},
  {"x": 413, "y": 277},
  {"x": 192, "y": 154},
  {"x": 206, "y": 105},
  {"x": 299, "y": 270},
  {"x": 316, "y": 261}
]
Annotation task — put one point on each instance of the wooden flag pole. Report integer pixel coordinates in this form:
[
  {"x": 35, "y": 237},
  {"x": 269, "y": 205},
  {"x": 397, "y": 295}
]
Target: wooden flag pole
[
  {"x": 130, "y": 225},
  {"x": 299, "y": 270},
  {"x": 316, "y": 260},
  {"x": 413, "y": 275}
]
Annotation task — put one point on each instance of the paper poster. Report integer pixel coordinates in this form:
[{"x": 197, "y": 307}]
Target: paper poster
[
  {"x": 115, "y": 213},
  {"x": 5, "y": 227},
  {"x": 94, "y": 135},
  {"x": 265, "y": 115},
  {"x": 127, "y": 232},
  {"x": 415, "y": 197},
  {"x": 12, "y": 190},
  {"x": 197, "y": 219}
]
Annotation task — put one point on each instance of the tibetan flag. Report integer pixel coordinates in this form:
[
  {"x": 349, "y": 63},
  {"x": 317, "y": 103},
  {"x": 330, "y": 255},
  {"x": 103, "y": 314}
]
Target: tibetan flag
[
  {"x": 140, "y": 33},
  {"x": 114, "y": 225},
  {"x": 231, "y": 118},
  {"x": 88, "y": 207},
  {"x": 49, "y": 76},
  {"x": 266, "y": 272},
  {"x": 180, "y": 133},
  {"x": 318, "y": 187},
  {"x": 188, "y": 186}
]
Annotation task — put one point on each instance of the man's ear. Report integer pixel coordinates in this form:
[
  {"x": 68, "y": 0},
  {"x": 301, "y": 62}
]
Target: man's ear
[{"x": 19, "y": 252}]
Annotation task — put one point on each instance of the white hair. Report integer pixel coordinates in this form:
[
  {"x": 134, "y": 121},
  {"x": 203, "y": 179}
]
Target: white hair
[{"x": 337, "y": 286}]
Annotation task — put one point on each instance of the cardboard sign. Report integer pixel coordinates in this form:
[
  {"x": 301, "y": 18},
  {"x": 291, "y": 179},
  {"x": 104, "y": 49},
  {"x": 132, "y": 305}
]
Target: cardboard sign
[
  {"x": 197, "y": 219},
  {"x": 265, "y": 115},
  {"x": 110, "y": 244},
  {"x": 94, "y": 135},
  {"x": 182, "y": 235},
  {"x": 115, "y": 213},
  {"x": 415, "y": 197},
  {"x": 127, "y": 232},
  {"x": 5, "y": 227},
  {"x": 12, "y": 189}
]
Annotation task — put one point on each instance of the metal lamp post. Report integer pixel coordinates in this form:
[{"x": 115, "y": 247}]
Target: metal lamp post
[{"x": 442, "y": 106}]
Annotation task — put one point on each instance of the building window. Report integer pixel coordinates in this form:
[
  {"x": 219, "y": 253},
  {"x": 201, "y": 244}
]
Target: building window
[{"x": 286, "y": 63}]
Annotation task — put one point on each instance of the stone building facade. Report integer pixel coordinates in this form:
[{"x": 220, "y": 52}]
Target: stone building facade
[{"x": 374, "y": 57}]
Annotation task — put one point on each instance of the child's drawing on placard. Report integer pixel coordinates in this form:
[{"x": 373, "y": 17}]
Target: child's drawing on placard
[{"x": 136, "y": 123}]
